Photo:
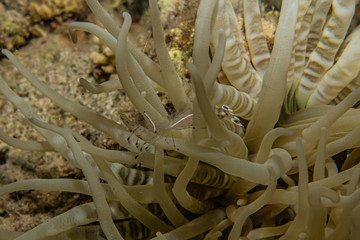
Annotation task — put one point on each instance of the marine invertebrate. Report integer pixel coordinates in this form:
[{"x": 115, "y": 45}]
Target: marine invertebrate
[{"x": 222, "y": 184}]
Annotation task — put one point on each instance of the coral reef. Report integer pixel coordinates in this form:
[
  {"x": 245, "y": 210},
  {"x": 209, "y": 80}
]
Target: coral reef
[
  {"x": 44, "y": 10},
  {"x": 14, "y": 28},
  {"x": 22, "y": 20}
]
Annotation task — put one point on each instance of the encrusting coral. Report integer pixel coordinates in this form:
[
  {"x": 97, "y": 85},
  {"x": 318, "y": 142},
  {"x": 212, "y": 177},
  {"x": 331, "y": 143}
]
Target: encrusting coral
[{"x": 249, "y": 160}]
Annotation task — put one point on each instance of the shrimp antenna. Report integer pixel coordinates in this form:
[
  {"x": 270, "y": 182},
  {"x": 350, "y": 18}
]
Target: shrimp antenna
[
  {"x": 151, "y": 121},
  {"x": 182, "y": 120}
]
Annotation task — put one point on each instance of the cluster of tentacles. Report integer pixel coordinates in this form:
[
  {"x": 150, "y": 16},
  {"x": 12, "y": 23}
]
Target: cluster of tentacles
[{"x": 251, "y": 159}]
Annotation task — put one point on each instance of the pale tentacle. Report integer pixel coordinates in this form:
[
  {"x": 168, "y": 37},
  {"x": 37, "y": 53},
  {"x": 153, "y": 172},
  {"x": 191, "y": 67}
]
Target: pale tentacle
[
  {"x": 172, "y": 81},
  {"x": 323, "y": 56},
  {"x": 122, "y": 59},
  {"x": 237, "y": 69},
  {"x": 340, "y": 75},
  {"x": 274, "y": 85},
  {"x": 168, "y": 206},
  {"x": 217, "y": 131},
  {"x": 318, "y": 20},
  {"x": 202, "y": 40},
  {"x": 259, "y": 52}
]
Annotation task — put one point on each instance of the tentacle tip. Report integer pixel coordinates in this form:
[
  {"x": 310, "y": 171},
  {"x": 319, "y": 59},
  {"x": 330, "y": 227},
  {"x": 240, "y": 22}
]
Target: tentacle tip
[
  {"x": 4, "y": 51},
  {"x": 88, "y": 86},
  {"x": 82, "y": 81},
  {"x": 221, "y": 31},
  {"x": 126, "y": 14},
  {"x": 72, "y": 33},
  {"x": 29, "y": 116},
  {"x": 73, "y": 36}
]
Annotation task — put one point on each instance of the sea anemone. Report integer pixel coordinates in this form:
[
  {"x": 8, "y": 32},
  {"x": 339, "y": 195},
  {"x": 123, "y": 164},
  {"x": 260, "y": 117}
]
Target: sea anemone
[{"x": 251, "y": 159}]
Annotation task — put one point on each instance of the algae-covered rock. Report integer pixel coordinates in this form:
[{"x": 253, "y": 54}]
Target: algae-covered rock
[
  {"x": 14, "y": 28},
  {"x": 47, "y": 9}
]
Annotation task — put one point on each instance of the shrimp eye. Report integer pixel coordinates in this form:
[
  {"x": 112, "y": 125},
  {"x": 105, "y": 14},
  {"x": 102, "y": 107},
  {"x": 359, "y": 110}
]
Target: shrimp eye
[
  {"x": 236, "y": 120},
  {"x": 225, "y": 107}
]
